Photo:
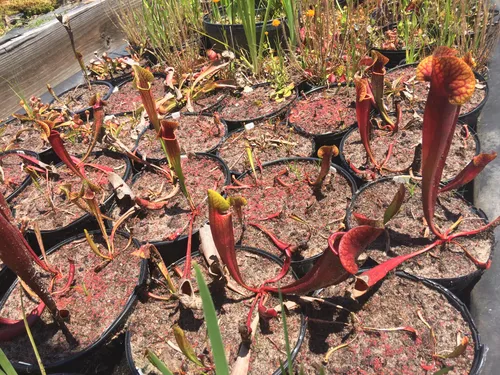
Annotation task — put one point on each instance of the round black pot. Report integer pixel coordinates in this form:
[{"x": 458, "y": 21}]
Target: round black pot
[
  {"x": 304, "y": 87},
  {"x": 264, "y": 254},
  {"x": 465, "y": 190},
  {"x": 237, "y": 174},
  {"x": 47, "y": 156},
  {"x": 395, "y": 56},
  {"x": 302, "y": 266},
  {"x": 479, "y": 350},
  {"x": 234, "y": 35},
  {"x": 212, "y": 150},
  {"x": 7, "y": 277},
  {"x": 470, "y": 118},
  {"x": 89, "y": 108},
  {"x": 323, "y": 139},
  {"x": 27, "y": 180},
  {"x": 454, "y": 284},
  {"x": 146, "y": 53},
  {"x": 172, "y": 251},
  {"x": 53, "y": 237},
  {"x": 234, "y": 124},
  {"x": 70, "y": 363}
]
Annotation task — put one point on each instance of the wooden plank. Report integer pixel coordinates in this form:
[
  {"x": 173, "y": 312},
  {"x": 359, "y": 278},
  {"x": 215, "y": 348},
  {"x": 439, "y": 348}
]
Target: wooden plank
[{"x": 44, "y": 55}]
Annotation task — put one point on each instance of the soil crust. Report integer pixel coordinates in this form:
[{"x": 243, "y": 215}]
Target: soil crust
[
  {"x": 298, "y": 213},
  {"x": 126, "y": 98},
  {"x": 463, "y": 148},
  {"x": 94, "y": 301},
  {"x": 78, "y": 99},
  {"x": 171, "y": 221},
  {"x": 208, "y": 102},
  {"x": 151, "y": 323},
  {"x": 415, "y": 92},
  {"x": 33, "y": 203},
  {"x": 17, "y": 135},
  {"x": 12, "y": 172},
  {"x": 408, "y": 233},
  {"x": 247, "y": 106},
  {"x": 395, "y": 303},
  {"x": 126, "y": 128},
  {"x": 196, "y": 133},
  {"x": 269, "y": 140},
  {"x": 330, "y": 110}
]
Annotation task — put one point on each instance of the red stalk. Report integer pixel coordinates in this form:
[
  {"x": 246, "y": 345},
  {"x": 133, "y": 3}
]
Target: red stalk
[
  {"x": 264, "y": 312},
  {"x": 364, "y": 100},
  {"x": 15, "y": 328},
  {"x": 221, "y": 225},
  {"x": 58, "y": 147},
  {"x": 325, "y": 153},
  {"x": 20, "y": 258},
  {"x": 378, "y": 75},
  {"x": 98, "y": 107},
  {"x": 452, "y": 84},
  {"x": 143, "y": 80},
  {"x": 173, "y": 151},
  {"x": 326, "y": 271},
  {"x": 371, "y": 277},
  {"x": 470, "y": 172},
  {"x": 283, "y": 246}
]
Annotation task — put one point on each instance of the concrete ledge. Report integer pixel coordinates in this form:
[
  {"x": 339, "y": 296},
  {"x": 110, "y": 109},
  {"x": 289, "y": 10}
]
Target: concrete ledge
[
  {"x": 44, "y": 55},
  {"x": 485, "y": 298}
]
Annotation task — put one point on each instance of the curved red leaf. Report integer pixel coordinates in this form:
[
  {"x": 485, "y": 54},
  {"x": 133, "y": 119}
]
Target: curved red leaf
[
  {"x": 353, "y": 243},
  {"x": 470, "y": 171}
]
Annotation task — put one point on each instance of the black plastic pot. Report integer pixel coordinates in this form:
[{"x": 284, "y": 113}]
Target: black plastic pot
[
  {"x": 470, "y": 118},
  {"x": 27, "y": 180},
  {"x": 234, "y": 124},
  {"x": 69, "y": 363},
  {"x": 454, "y": 284},
  {"x": 53, "y": 237},
  {"x": 303, "y": 324},
  {"x": 89, "y": 108},
  {"x": 234, "y": 35},
  {"x": 305, "y": 87},
  {"x": 7, "y": 277},
  {"x": 212, "y": 150},
  {"x": 467, "y": 188},
  {"x": 395, "y": 56},
  {"x": 172, "y": 251},
  {"x": 238, "y": 173},
  {"x": 323, "y": 139},
  {"x": 302, "y": 266},
  {"x": 47, "y": 156},
  {"x": 479, "y": 350}
]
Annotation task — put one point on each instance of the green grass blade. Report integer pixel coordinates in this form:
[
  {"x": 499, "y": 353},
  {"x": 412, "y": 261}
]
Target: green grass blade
[
  {"x": 32, "y": 340},
  {"x": 285, "y": 331},
  {"x": 5, "y": 365},
  {"x": 221, "y": 366},
  {"x": 156, "y": 362}
]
